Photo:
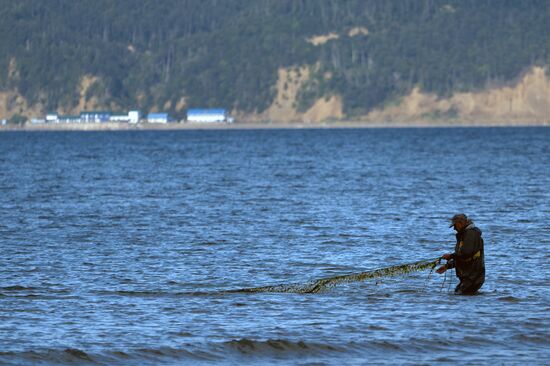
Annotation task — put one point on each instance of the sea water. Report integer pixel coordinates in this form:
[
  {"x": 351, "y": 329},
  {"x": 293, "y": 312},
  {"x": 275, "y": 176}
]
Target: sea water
[{"x": 119, "y": 247}]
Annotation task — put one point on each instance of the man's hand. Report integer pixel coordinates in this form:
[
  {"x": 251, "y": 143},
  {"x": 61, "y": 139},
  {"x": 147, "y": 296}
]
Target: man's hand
[
  {"x": 441, "y": 269},
  {"x": 447, "y": 256}
]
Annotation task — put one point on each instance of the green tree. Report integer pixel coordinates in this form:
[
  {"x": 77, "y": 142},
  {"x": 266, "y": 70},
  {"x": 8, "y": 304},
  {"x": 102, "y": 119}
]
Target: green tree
[{"x": 17, "y": 119}]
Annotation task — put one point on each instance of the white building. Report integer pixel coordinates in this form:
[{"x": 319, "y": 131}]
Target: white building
[
  {"x": 207, "y": 115},
  {"x": 133, "y": 116},
  {"x": 118, "y": 118},
  {"x": 52, "y": 118}
]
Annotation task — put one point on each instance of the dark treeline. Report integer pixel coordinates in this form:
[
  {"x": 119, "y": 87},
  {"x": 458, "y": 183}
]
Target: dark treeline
[{"x": 226, "y": 52}]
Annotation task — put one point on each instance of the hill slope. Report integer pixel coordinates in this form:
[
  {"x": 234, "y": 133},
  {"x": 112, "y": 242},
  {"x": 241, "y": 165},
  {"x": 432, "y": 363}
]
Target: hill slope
[{"x": 262, "y": 59}]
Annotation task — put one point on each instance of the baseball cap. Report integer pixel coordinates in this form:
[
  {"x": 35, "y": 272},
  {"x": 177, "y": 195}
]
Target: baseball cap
[{"x": 458, "y": 218}]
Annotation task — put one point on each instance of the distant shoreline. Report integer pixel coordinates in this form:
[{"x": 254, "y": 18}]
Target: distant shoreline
[{"x": 256, "y": 126}]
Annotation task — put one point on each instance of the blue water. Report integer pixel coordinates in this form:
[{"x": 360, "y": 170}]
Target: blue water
[{"x": 116, "y": 247}]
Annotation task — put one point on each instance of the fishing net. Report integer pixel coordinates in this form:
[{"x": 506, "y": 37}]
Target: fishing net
[{"x": 329, "y": 282}]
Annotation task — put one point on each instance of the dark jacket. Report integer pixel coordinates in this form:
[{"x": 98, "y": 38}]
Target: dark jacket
[{"x": 468, "y": 257}]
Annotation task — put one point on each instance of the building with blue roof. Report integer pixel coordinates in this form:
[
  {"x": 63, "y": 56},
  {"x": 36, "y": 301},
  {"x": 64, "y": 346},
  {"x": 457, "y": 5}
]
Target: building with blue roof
[
  {"x": 158, "y": 118},
  {"x": 207, "y": 115}
]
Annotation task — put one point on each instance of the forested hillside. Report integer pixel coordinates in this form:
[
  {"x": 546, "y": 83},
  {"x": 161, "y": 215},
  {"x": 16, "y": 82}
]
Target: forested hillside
[{"x": 172, "y": 54}]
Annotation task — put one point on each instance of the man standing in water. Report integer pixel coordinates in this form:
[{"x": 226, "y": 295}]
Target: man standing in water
[{"x": 468, "y": 258}]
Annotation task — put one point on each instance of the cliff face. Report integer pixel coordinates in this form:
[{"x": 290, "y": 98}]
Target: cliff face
[
  {"x": 527, "y": 101},
  {"x": 284, "y": 107},
  {"x": 12, "y": 102}
]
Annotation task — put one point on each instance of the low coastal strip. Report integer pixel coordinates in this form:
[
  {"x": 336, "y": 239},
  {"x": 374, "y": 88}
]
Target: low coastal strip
[{"x": 119, "y": 126}]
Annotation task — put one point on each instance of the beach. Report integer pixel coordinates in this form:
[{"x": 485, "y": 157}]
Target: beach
[{"x": 111, "y": 126}]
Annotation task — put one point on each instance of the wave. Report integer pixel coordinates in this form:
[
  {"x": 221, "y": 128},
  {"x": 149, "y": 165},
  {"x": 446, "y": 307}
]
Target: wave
[
  {"x": 74, "y": 356},
  {"x": 213, "y": 352},
  {"x": 45, "y": 357},
  {"x": 533, "y": 338},
  {"x": 18, "y": 288},
  {"x": 238, "y": 351},
  {"x": 511, "y": 299},
  {"x": 20, "y": 291},
  {"x": 156, "y": 293},
  {"x": 137, "y": 293},
  {"x": 249, "y": 346}
]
